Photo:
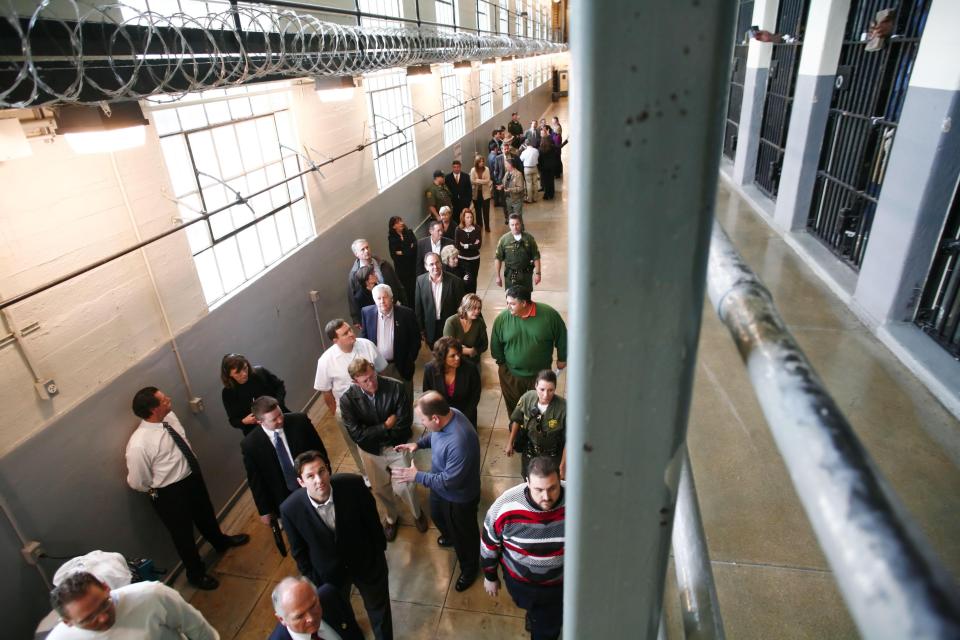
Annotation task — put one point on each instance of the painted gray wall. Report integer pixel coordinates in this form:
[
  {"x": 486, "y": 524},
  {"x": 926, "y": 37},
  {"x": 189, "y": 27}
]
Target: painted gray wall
[
  {"x": 808, "y": 121},
  {"x": 917, "y": 190},
  {"x": 751, "y": 117},
  {"x": 66, "y": 486}
]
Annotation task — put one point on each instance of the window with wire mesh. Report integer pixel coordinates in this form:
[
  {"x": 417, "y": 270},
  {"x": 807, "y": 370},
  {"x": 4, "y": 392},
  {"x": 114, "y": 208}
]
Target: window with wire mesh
[
  {"x": 520, "y": 78},
  {"x": 486, "y": 93},
  {"x": 391, "y": 118},
  {"x": 447, "y": 12},
  {"x": 231, "y": 154},
  {"x": 484, "y": 10},
  {"x": 454, "y": 125},
  {"x": 503, "y": 17},
  {"x": 383, "y": 8},
  {"x": 506, "y": 83},
  {"x": 519, "y": 24}
]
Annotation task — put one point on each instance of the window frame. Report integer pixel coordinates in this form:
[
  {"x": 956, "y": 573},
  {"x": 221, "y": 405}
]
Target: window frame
[{"x": 393, "y": 163}]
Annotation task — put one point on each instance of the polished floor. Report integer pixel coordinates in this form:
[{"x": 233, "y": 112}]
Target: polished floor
[{"x": 773, "y": 581}]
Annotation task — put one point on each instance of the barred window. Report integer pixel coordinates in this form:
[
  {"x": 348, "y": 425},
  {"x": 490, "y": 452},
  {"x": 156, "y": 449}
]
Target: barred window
[
  {"x": 383, "y": 8},
  {"x": 454, "y": 126},
  {"x": 221, "y": 146},
  {"x": 394, "y": 151},
  {"x": 504, "y": 17},
  {"x": 506, "y": 83},
  {"x": 486, "y": 93},
  {"x": 447, "y": 11},
  {"x": 521, "y": 78},
  {"x": 483, "y": 15},
  {"x": 519, "y": 24}
]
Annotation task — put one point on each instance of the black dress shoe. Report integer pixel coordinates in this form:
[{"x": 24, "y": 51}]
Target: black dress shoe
[
  {"x": 444, "y": 542},
  {"x": 237, "y": 541},
  {"x": 205, "y": 582},
  {"x": 464, "y": 581}
]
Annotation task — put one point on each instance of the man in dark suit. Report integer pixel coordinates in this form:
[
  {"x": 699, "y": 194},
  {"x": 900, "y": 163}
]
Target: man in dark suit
[
  {"x": 398, "y": 341},
  {"x": 269, "y": 451},
  {"x": 301, "y": 608},
  {"x": 460, "y": 189},
  {"x": 430, "y": 316},
  {"x": 433, "y": 243},
  {"x": 336, "y": 537}
]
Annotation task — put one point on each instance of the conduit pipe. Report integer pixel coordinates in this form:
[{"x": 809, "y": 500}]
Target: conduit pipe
[{"x": 893, "y": 584}]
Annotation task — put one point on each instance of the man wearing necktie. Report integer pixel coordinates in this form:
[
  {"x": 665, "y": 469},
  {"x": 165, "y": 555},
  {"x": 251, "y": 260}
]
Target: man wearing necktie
[
  {"x": 336, "y": 537},
  {"x": 269, "y": 452},
  {"x": 308, "y": 613},
  {"x": 161, "y": 463}
]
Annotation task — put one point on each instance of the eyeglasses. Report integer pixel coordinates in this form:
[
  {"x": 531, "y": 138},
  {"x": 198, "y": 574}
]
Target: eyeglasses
[{"x": 100, "y": 610}]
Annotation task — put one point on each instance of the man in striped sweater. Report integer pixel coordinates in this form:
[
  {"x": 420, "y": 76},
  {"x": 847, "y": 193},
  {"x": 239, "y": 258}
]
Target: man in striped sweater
[{"x": 523, "y": 531}]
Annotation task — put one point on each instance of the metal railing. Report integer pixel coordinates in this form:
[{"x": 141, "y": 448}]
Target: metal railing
[
  {"x": 938, "y": 313},
  {"x": 778, "y": 100},
  {"x": 865, "y": 108},
  {"x": 893, "y": 584}
]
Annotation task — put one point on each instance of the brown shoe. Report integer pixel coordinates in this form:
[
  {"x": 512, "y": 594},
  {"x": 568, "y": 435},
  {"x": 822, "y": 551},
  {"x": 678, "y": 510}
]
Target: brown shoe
[
  {"x": 390, "y": 531},
  {"x": 421, "y": 522}
]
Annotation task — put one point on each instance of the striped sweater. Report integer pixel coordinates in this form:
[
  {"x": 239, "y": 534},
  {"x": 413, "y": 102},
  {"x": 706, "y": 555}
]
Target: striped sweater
[{"x": 527, "y": 541}]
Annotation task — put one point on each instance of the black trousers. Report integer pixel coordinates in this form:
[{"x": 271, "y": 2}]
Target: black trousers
[
  {"x": 482, "y": 207},
  {"x": 182, "y": 505},
  {"x": 472, "y": 268},
  {"x": 546, "y": 180},
  {"x": 544, "y": 607},
  {"x": 457, "y": 521},
  {"x": 376, "y": 600}
]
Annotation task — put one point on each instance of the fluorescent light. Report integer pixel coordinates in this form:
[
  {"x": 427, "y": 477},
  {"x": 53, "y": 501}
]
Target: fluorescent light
[
  {"x": 335, "y": 95},
  {"x": 419, "y": 74},
  {"x": 334, "y": 89},
  {"x": 106, "y": 141},
  {"x": 462, "y": 68}
]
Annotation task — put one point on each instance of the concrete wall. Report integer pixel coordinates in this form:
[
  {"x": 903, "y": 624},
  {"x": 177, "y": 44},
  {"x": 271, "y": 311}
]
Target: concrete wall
[{"x": 62, "y": 469}]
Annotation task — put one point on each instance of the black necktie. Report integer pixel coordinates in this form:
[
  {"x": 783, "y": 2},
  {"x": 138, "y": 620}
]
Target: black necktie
[
  {"x": 289, "y": 475},
  {"x": 184, "y": 448}
]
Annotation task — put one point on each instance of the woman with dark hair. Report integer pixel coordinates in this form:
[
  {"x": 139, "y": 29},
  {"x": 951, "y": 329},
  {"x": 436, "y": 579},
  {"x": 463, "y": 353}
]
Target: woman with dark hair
[
  {"x": 468, "y": 240},
  {"x": 468, "y": 327},
  {"x": 367, "y": 277},
  {"x": 242, "y": 384},
  {"x": 403, "y": 252},
  {"x": 454, "y": 377},
  {"x": 538, "y": 425},
  {"x": 548, "y": 163}
]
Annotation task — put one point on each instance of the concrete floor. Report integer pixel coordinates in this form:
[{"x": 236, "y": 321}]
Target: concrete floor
[{"x": 772, "y": 578}]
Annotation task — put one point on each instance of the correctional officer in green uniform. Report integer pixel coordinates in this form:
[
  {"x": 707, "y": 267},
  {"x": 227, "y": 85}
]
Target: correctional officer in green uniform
[
  {"x": 538, "y": 424},
  {"x": 518, "y": 253},
  {"x": 438, "y": 195}
]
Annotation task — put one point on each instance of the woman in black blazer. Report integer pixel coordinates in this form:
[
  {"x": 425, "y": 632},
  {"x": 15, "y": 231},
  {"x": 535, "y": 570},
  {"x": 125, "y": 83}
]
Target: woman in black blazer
[
  {"x": 242, "y": 384},
  {"x": 454, "y": 377},
  {"x": 403, "y": 252}
]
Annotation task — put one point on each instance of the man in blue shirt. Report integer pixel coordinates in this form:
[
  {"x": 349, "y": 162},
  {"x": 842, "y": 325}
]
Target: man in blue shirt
[{"x": 454, "y": 480}]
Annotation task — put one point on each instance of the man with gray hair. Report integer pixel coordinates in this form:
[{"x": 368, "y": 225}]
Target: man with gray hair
[
  {"x": 383, "y": 269},
  {"x": 143, "y": 611},
  {"x": 306, "y": 612},
  {"x": 394, "y": 329}
]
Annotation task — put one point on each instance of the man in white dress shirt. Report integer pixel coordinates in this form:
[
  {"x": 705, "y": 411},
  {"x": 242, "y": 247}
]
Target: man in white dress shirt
[
  {"x": 332, "y": 376},
  {"x": 140, "y": 611},
  {"x": 161, "y": 463}
]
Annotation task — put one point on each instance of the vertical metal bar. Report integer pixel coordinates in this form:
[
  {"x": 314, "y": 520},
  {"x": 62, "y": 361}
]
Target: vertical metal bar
[
  {"x": 698, "y": 591},
  {"x": 630, "y": 390}
]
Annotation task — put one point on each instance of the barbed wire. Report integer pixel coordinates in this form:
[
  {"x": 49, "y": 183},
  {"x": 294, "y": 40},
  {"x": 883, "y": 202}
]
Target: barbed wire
[{"x": 117, "y": 51}]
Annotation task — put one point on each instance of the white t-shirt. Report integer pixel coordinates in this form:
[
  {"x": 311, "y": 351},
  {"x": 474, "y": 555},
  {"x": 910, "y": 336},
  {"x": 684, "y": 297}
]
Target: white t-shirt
[{"x": 332, "y": 366}]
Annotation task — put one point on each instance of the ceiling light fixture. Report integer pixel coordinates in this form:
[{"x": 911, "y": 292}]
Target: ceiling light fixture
[
  {"x": 102, "y": 128},
  {"x": 334, "y": 88}
]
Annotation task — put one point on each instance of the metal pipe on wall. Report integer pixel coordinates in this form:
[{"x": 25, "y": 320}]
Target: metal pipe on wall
[
  {"x": 648, "y": 81},
  {"x": 893, "y": 584}
]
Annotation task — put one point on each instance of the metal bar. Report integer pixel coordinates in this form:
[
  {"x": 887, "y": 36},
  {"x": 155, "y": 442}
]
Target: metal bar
[
  {"x": 627, "y": 423},
  {"x": 698, "y": 591},
  {"x": 893, "y": 584}
]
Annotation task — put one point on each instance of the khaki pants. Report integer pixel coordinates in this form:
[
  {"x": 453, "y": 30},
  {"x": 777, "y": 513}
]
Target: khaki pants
[
  {"x": 532, "y": 177},
  {"x": 391, "y": 495},
  {"x": 512, "y": 387},
  {"x": 351, "y": 445}
]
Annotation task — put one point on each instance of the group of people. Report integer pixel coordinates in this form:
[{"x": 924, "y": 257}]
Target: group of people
[{"x": 365, "y": 378}]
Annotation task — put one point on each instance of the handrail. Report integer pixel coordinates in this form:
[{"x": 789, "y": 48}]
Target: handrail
[
  {"x": 699, "y": 605},
  {"x": 893, "y": 584}
]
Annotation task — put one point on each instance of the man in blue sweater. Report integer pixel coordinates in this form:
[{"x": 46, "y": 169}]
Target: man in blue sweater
[{"x": 454, "y": 480}]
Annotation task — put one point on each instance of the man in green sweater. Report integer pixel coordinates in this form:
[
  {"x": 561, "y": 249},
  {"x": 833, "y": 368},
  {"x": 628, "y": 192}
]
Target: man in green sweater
[{"x": 523, "y": 339}]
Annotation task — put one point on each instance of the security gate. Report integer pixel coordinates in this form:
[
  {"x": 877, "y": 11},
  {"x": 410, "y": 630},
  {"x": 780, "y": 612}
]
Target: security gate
[
  {"x": 738, "y": 71},
  {"x": 938, "y": 313},
  {"x": 867, "y": 98},
  {"x": 781, "y": 84}
]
